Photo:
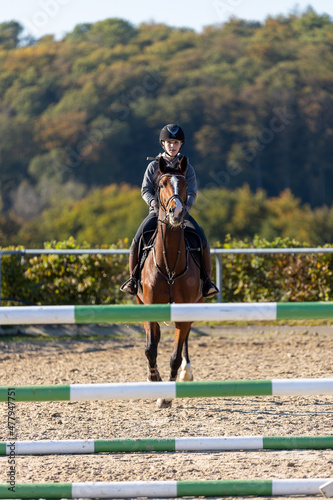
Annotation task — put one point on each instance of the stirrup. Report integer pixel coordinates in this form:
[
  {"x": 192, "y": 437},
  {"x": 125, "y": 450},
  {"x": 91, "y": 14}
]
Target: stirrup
[
  {"x": 209, "y": 289},
  {"x": 130, "y": 286}
]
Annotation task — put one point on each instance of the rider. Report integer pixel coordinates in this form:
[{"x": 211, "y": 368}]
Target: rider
[{"x": 172, "y": 139}]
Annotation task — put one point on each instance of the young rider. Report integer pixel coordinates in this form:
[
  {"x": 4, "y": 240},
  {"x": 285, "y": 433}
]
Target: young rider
[{"x": 172, "y": 139}]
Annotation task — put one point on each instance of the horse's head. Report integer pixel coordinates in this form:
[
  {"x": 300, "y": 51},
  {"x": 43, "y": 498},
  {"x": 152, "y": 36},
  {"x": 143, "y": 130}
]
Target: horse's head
[{"x": 172, "y": 191}]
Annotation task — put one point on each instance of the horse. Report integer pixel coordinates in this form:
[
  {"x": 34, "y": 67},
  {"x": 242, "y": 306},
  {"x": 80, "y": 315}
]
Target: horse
[{"x": 170, "y": 273}]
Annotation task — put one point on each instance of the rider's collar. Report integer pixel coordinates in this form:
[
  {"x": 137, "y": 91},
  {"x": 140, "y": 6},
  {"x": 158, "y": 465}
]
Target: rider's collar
[{"x": 171, "y": 159}]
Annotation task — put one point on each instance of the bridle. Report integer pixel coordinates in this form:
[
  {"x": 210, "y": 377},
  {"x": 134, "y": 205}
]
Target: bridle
[
  {"x": 169, "y": 200},
  {"x": 170, "y": 276}
]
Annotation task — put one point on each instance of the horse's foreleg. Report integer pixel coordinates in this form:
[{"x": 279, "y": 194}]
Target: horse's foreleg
[
  {"x": 181, "y": 333},
  {"x": 153, "y": 335},
  {"x": 181, "y": 340},
  {"x": 186, "y": 374}
]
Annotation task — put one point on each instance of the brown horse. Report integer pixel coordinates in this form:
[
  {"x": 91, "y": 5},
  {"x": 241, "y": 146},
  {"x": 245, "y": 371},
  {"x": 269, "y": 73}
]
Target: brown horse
[{"x": 169, "y": 273}]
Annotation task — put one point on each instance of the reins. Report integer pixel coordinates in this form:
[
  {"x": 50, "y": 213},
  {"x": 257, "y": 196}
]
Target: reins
[{"x": 170, "y": 276}]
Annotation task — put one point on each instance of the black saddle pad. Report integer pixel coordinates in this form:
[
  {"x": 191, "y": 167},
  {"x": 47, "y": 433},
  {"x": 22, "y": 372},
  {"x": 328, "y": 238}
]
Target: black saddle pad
[
  {"x": 193, "y": 240},
  {"x": 194, "y": 245},
  {"x": 145, "y": 245}
]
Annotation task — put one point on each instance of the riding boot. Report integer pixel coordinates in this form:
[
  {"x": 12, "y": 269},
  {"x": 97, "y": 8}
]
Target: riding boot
[
  {"x": 131, "y": 285},
  {"x": 208, "y": 287}
]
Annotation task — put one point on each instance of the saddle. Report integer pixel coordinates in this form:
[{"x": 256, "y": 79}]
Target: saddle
[{"x": 193, "y": 244}]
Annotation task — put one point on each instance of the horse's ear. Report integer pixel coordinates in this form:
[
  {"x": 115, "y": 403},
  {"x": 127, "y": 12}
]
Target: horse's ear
[
  {"x": 183, "y": 164},
  {"x": 161, "y": 164}
]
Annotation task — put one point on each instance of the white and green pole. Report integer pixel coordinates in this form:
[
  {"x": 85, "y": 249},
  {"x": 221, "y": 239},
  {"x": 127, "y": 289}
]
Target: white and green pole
[
  {"x": 168, "y": 390},
  {"x": 188, "y": 444},
  {"x": 166, "y": 489},
  {"x": 247, "y": 311}
]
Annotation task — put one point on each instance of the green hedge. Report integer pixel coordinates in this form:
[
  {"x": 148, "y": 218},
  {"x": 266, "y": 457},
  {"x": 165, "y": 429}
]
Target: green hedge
[
  {"x": 64, "y": 279},
  {"x": 276, "y": 277},
  {"x": 95, "y": 279}
]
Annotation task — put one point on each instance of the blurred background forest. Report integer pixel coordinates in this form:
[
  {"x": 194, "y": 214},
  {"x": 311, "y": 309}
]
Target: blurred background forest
[{"x": 79, "y": 116}]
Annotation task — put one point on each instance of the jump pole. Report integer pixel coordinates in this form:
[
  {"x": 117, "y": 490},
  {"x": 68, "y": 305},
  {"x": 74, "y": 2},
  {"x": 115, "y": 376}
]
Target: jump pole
[
  {"x": 168, "y": 390},
  {"x": 247, "y": 311},
  {"x": 190, "y": 444},
  {"x": 166, "y": 489}
]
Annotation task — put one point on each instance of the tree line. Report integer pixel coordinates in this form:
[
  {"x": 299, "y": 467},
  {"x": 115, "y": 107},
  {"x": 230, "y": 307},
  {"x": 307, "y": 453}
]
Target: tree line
[
  {"x": 80, "y": 115},
  {"x": 109, "y": 214}
]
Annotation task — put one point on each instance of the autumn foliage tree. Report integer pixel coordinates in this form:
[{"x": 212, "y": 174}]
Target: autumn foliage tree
[{"x": 255, "y": 101}]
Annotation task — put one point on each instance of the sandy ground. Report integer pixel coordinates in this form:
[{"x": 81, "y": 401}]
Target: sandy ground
[{"x": 217, "y": 353}]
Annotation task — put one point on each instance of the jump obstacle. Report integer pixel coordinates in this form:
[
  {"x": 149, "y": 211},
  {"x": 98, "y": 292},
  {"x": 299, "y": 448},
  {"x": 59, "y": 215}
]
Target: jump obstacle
[
  {"x": 247, "y": 311},
  {"x": 189, "y": 444},
  {"x": 169, "y": 390},
  {"x": 169, "y": 489}
]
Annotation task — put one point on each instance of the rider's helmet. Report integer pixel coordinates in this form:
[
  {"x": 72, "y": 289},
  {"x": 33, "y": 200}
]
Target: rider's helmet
[{"x": 172, "y": 131}]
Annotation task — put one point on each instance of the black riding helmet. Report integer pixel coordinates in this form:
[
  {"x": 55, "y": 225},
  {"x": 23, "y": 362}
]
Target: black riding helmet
[{"x": 170, "y": 132}]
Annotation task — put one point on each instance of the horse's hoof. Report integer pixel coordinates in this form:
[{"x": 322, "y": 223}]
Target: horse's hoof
[
  {"x": 153, "y": 375},
  {"x": 186, "y": 374},
  {"x": 154, "y": 379},
  {"x": 164, "y": 403}
]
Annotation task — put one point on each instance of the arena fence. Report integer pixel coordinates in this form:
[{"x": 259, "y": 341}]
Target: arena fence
[{"x": 217, "y": 252}]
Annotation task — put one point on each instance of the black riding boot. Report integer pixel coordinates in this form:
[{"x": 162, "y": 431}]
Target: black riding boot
[
  {"x": 208, "y": 287},
  {"x": 131, "y": 285}
]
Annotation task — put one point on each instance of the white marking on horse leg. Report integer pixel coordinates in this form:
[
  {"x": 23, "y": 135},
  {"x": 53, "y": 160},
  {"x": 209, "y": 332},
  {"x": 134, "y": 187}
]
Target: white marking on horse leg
[
  {"x": 186, "y": 374},
  {"x": 163, "y": 403}
]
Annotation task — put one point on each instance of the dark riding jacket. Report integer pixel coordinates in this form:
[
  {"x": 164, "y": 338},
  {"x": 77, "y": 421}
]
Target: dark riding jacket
[{"x": 148, "y": 186}]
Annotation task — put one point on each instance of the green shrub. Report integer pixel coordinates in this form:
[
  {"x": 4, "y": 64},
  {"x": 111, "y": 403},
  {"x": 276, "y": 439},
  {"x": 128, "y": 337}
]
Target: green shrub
[
  {"x": 65, "y": 279},
  {"x": 14, "y": 284},
  {"x": 275, "y": 277}
]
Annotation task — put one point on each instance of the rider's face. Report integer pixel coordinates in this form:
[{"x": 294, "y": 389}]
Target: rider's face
[{"x": 172, "y": 147}]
